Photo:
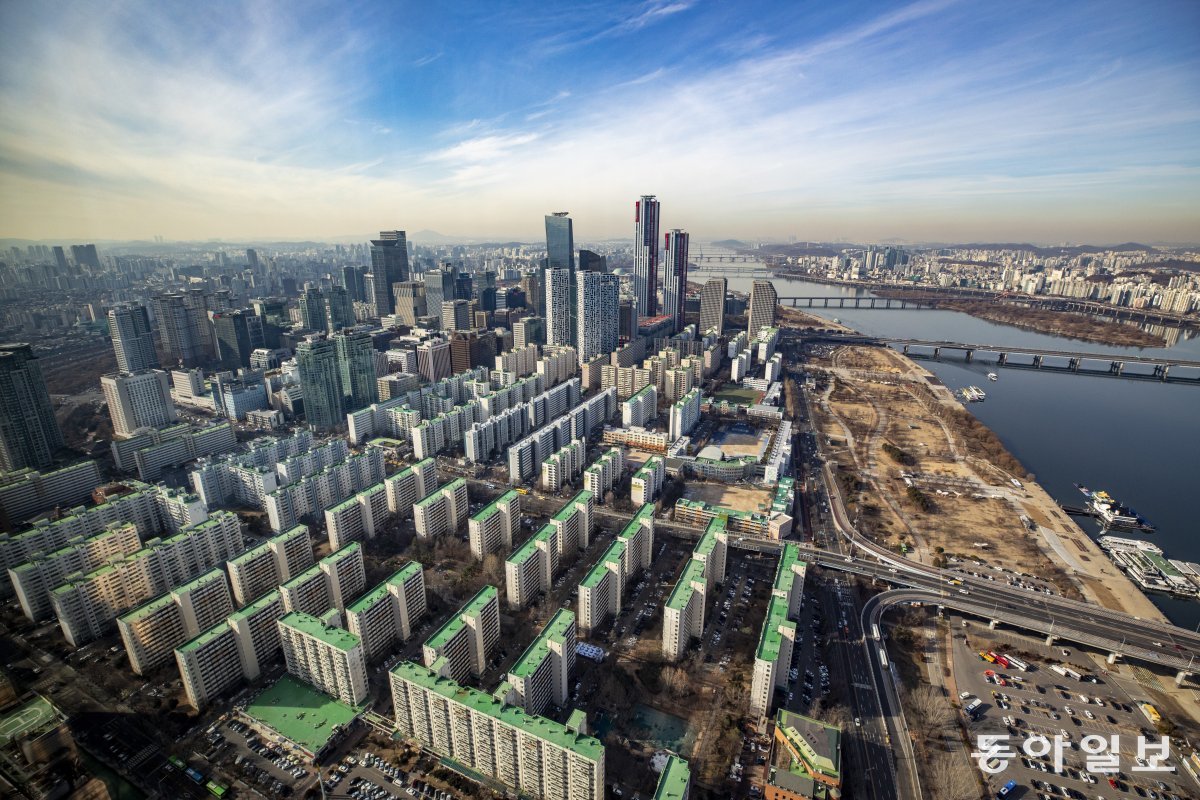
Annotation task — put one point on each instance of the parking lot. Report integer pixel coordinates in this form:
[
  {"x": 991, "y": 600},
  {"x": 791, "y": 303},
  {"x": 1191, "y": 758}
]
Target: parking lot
[
  {"x": 368, "y": 777},
  {"x": 1043, "y": 703}
]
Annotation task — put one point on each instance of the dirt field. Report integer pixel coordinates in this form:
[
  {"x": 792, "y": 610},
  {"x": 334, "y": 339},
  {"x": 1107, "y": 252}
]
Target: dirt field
[
  {"x": 734, "y": 445},
  {"x": 739, "y": 498},
  {"x": 917, "y": 476}
]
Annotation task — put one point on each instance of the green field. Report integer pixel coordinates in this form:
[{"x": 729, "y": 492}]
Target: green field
[
  {"x": 740, "y": 395},
  {"x": 37, "y": 713},
  {"x": 300, "y": 713}
]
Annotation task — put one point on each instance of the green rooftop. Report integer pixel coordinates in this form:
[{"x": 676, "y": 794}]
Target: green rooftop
[
  {"x": 148, "y": 608},
  {"x": 207, "y": 578},
  {"x": 675, "y": 780},
  {"x": 28, "y": 720},
  {"x": 348, "y": 550},
  {"x": 450, "y": 629},
  {"x": 300, "y": 713},
  {"x": 770, "y": 641},
  {"x": 682, "y": 593},
  {"x": 513, "y": 716},
  {"x": 644, "y": 390},
  {"x": 305, "y": 576},
  {"x": 348, "y": 503},
  {"x": 208, "y": 637},
  {"x": 267, "y": 600},
  {"x": 290, "y": 534},
  {"x": 597, "y": 573},
  {"x": 566, "y": 511},
  {"x": 813, "y": 742},
  {"x": 644, "y": 514},
  {"x": 381, "y": 591},
  {"x": 340, "y": 638},
  {"x": 494, "y": 506},
  {"x": 526, "y": 550},
  {"x": 784, "y": 576},
  {"x": 251, "y": 554},
  {"x": 556, "y": 631}
]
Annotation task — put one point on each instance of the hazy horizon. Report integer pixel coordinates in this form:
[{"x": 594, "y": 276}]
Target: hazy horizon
[{"x": 928, "y": 122}]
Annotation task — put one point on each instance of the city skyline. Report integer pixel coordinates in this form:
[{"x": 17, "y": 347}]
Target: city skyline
[{"x": 929, "y": 121}]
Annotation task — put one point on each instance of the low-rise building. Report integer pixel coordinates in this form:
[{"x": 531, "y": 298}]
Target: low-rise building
[
  {"x": 675, "y": 782},
  {"x": 814, "y": 753}
]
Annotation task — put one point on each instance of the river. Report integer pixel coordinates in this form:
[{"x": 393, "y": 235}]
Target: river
[{"x": 1139, "y": 440}]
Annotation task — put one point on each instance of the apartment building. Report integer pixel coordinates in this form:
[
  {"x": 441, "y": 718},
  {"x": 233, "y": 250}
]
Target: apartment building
[
  {"x": 603, "y": 588},
  {"x": 685, "y": 413},
  {"x": 683, "y": 614},
  {"x": 443, "y": 511},
  {"x": 467, "y": 641},
  {"x": 409, "y": 485},
  {"x": 308, "y": 592},
  {"x": 542, "y": 675},
  {"x": 532, "y": 567},
  {"x": 345, "y": 574},
  {"x": 648, "y": 481},
  {"x": 152, "y": 631},
  {"x": 563, "y": 466},
  {"x": 773, "y": 656},
  {"x": 329, "y": 658},
  {"x": 574, "y": 524},
  {"x": 209, "y": 664},
  {"x": 388, "y": 613},
  {"x": 641, "y": 408},
  {"x": 530, "y": 755},
  {"x": 24, "y": 492},
  {"x": 257, "y": 634},
  {"x": 357, "y": 517},
  {"x": 604, "y": 472},
  {"x": 711, "y": 551},
  {"x": 675, "y": 781},
  {"x": 491, "y": 530}
]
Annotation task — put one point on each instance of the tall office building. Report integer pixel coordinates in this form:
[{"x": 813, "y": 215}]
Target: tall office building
[
  {"x": 60, "y": 258},
  {"x": 312, "y": 308},
  {"x": 356, "y": 366},
  {"x": 531, "y": 330},
  {"x": 85, "y": 255},
  {"x": 675, "y": 272},
  {"x": 140, "y": 400},
  {"x": 645, "y": 255},
  {"x": 239, "y": 333},
  {"x": 133, "y": 342},
  {"x": 599, "y": 314},
  {"x": 439, "y": 288},
  {"x": 456, "y": 315},
  {"x": 320, "y": 379},
  {"x": 389, "y": 264},
  {"x": 352, "y": 282},
  {"x": 558, "y": 307},
  {"x": 712, "y": 306},
  {"x": 592, "y": 262},
  {"x": 252, "y": 259},
  {"x": 533, "y": 285},
  {"x": 560, "y": 255},
  {"x": 339, "y": 309},
  {"x": 180, "y": 331},
  {"x": 410, "y": 301},
  {"x": 29, "y": 433},
  {"x": 763, "y": 299}
]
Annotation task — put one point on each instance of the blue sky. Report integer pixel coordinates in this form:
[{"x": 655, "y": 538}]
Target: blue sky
[{"x": 934, "y": 120}]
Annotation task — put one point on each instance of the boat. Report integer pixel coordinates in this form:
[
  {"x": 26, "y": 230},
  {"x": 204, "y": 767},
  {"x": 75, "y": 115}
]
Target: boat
[
  {"x": 1083, "y": 490},
  {"x": 973, "y": 394},
  {"x": 1113, "y": 514},
  {"x": 993, "y": 376}
]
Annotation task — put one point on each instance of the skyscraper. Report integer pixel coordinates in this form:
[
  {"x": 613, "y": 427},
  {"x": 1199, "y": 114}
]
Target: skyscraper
[
  {"x": 252, "y": 259},
  {"x": 533, "y": 286},
  {"x": 439, "y": 287},
  {"x": 133, "y": 342},
  {"x": 29, "y": 433},
  {"x": 645, "y": 255},
  {"x": 560, "y": 241},
  {"x": 763, "y": 299},
  {"x": 389, "y": 260},
  {"x": 712, "y": 306},
  {"x": 180, "y": 330},
  {"x": 312, "y": 308},
  {"x": 531, "y": 330},
  {"x": 433, "y": 359},
  {"x": 140, "y": 400},
  {"x": 558, "y": 307},
  {"x": 675, "y": 275},
  {"x": 339, "y": 309},
  {"x": 456, "y": 315},
  {"x": 410, "y": 301},
  {"x": 239, "y": 333},
  {"x": 320, "y": 378},
  {"x": 356, "y": 366},
  {"x": 592, "y": 262},
  {"x": 60, "y": 258},
  {"x": 352, "y": 280},
  {"x": 599, "y": 295}
]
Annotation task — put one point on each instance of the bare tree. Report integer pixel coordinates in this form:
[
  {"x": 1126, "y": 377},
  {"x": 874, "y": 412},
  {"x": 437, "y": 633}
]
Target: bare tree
[
  {"x": 949, "y": 779},
  {"x": 929, "y": 711},
  {"x": 493, "y": 569}
]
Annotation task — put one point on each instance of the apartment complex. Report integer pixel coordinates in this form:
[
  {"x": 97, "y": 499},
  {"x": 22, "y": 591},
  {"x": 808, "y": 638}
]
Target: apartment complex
[
  {"x": 327, "y": 657},
  {"x": 152, "y": 631},
  {"x": 465, "y": 643},
  {"x": 491, "y": 530},
  {"x": 533, "y": 566},
  {"x": 388, "y": 613},
  {"x": 641, "y": 408},
  {"x": 683, "y": 614},
  {"x": 602, "y": 590},
  {"x": 443, "y": 511},
  {"x": 542, "y": 675},
  {"x": 563, "y": 465},
  {"x": 409, "y": 485},
  {"x": 326, "y": 584},
  {"x": 604, "y": 473},
  {"x": 530, "y": 755},
  {"x": 685, "y": 413},
  {"x": 774, "y": 654},
  {"x": 262, "y": 568},
  {"x": 357, "y": 517}
]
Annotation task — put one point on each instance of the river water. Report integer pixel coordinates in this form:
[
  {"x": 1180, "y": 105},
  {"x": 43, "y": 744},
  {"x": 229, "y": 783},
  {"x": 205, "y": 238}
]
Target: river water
[{"x": 1139, "y": 440}]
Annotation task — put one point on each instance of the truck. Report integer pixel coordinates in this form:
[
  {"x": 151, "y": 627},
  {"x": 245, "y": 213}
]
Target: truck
[
  {"x": 999, "y": 659},
  {"x": 1006, "y": 789},
  {"x": 1013, "y": 661},
  {"x": 1065, "y": 671},
  {"x": 988, "y": 656},
  {"x": 973, "y": 706}
]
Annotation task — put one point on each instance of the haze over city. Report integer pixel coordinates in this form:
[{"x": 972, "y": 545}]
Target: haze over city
[{"x": 928, "y": 121}]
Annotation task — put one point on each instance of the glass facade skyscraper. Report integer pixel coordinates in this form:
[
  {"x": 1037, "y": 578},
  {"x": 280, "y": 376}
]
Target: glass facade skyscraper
[
  {"x": 133, "y": 342},
  {"x": 389, "y": 261},
  {"x": 645, "y": 255},
  {"x": 29, "y": 433},
  {"x": 320, "y": 378}
]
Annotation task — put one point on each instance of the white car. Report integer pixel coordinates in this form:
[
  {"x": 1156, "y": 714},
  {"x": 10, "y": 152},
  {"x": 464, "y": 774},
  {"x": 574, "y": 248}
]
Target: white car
[{"x": 963, "y": 695}]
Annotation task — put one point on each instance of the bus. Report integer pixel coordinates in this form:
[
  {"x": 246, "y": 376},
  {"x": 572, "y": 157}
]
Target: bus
[
  {"x": 216, "y": 789},
  {"x": 999, "y": 659},
  {"x": 988, "y": 656},
  {"x": 883, "y": 657},
  {"x": 1013, "y": 661},
  {"x": 875, "y": 632}
]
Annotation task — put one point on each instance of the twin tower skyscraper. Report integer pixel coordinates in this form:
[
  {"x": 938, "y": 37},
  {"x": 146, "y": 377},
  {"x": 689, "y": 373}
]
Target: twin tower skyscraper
[{"x": 583, "y": 301}]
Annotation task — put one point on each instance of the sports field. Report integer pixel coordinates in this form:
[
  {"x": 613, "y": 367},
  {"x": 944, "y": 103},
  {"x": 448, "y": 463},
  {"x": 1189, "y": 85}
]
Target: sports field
[
  {"x": 738, "y": 395},
  {"x": 300, "y": 713},
  {"x": 35, "y": 714}
]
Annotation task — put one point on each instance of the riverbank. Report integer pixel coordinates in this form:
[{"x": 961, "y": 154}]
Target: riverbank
[
  {"x": 1068, "y": 324},
  {"x": 917, "y": 478}
]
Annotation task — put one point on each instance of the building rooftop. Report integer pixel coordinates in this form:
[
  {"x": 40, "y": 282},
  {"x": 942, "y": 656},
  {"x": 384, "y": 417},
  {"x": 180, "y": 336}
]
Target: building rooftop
[
  {"x": 812, "y": 742},
  {"x": 300, "y": 713},
  {"x": 645, "y": 390},
  {"x": 682, "y": 593},
  {"x": 526, "y": 550},
  {"x": 784, "y": 576},
  {"x": 556, "y": 630},
  {"x": 339, "y": 638},
  {"x": 494, "y": 506},
  {"x": 303, "y": 577},
  {"x": 264, "y": 602},
  {"x": 597, "y": 573},
  {"x": 338, "y": 555},
  {"x": 381, "y": 591},
  {"x": 207, "y": 637},
  {"x": 148, "y": 608},
  {"x": 453, "y": 625},
  {"x": 771, "y": 640},
  {"x": 289, "y": 534},
  {"x": 251, "y": 554},
  {"x": 513, "y": 716},
  {"x": 564, "y": 513},
  {"x": 675, "y": 779},
  {"x": 208, "y": 578}
]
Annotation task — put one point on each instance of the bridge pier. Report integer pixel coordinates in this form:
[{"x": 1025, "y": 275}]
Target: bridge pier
[
  {"x": 1116, "y": 367},
  {"x": 937, "y": 352},
  {"x": 1181, "y": 677},
  {"x": 970, "y": 356},
  {"x": 1050, "y": 640},
  {"x": 1073, "y": 364},
  {"x": 1161, "y": 371},
  {"x": 1002, "y": 359},
  {"x": 904, "y": 349},
  {"x": 993, "y": 624},
  {"x": 1113, "y": 657},
  {"x": 1037, "y": 362}
]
